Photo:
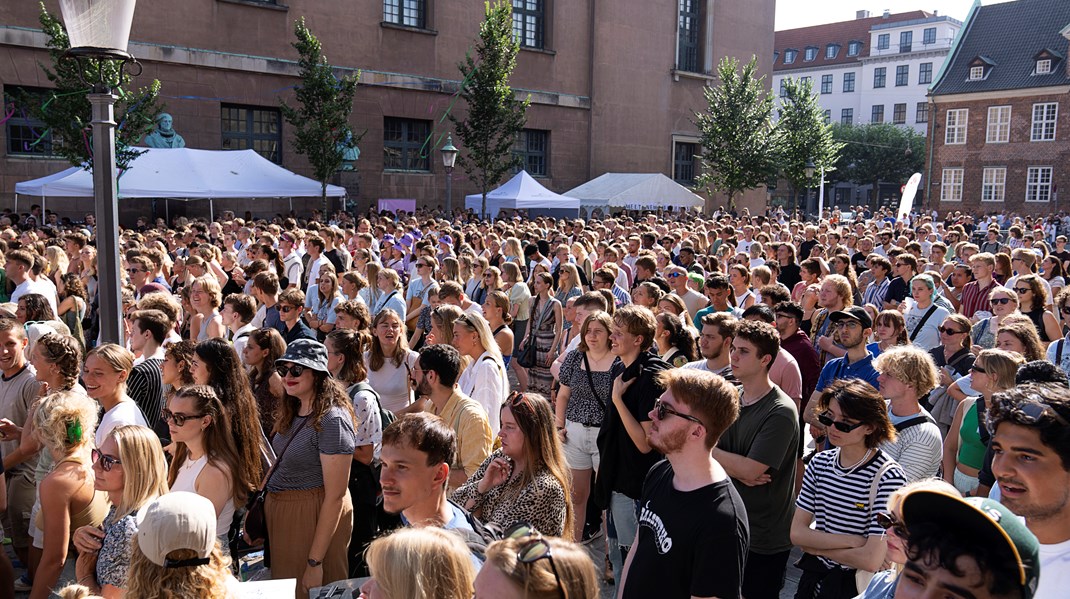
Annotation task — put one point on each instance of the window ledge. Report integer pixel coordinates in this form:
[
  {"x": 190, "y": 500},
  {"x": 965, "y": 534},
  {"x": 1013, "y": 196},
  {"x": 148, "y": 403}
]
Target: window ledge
[
  {"x": 677, "y": 74},
  {"x": 538, "y": 50},
  {"x": 389, "y": 25},
  {"x": 397, "y": 171},
  {"x": 255, "y": 3},
  {"x": 36, "y": 157}
]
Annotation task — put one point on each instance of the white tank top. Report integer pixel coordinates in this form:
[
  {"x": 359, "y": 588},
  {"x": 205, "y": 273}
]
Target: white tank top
[{"x": 187, "y": 481}]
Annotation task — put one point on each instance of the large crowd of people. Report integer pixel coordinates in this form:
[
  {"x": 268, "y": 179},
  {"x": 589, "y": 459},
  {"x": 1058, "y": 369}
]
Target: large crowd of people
[{"x": 665, "y": 404}]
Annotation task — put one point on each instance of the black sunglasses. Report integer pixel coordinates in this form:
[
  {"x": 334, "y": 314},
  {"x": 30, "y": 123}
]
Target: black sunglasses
[
  {"x": 662, "y": 410},
  {"x": 1065, "y": 310},
  {"x": 179, "y": 419},
  {"x": 951, "y": 331},
  {"x": 977, "y": 368},
  {"x": 106, "y": 461},
  {"x": 296, "y": 370},
  {"x": 888, "y": 521},
  {"x": 1021, "y": 290},
  {"x": 286, "y": 309},
  {"x": 826, "y": 420},
  {"x": 1000, "y": 300},
  {"x": 534, "y": 550}
]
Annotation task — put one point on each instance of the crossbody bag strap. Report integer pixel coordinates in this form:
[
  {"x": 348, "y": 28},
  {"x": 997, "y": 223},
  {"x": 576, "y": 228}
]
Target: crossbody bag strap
[
  {"x": 924, "y": 319},
  {"x": 874, "y": 488},
  {"x": 271, "y": 472},
  {"x": 590, "y": 381}
]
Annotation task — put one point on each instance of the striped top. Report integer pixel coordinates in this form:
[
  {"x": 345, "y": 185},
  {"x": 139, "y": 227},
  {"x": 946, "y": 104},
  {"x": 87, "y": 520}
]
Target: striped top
[
  {"x": 299, "y": 468},
  {"x": 839, "y": 498}
]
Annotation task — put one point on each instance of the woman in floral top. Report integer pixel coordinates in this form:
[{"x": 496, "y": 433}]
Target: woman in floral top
[
  {"x": 130, "y": 468},
  {"x": 527, "y": 479}
]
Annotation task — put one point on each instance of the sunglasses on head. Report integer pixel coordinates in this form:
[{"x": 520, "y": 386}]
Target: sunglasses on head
[
  {"x": 106, "y": 461},
  {"x": 1033, "y": 411},
  {"x": 296, "y": 370},
  {"x": 826, "y": 420},
  {"x": 888, "y": 521},
  {"x": 1000, "y": 300},
  {"x": 535, "y": 549}
]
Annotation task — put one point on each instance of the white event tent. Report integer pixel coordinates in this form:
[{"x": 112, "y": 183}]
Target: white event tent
[
  {"x": 187, "y": 174},
  {"x": 636, "y": 191},
  {"x": 522, "y": 192}
]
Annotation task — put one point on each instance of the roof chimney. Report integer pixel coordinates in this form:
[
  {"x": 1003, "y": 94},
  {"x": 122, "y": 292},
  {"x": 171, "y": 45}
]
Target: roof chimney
[
  {"x": 861, "y": 14},
  {"x": 887, "y": 13}
]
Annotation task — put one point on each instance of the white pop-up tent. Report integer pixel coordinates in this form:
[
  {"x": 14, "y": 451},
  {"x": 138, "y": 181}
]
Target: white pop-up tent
[
  {"x": 635, "y": 191},
  {"x": 522, "y": 192},
  {"x": 187, "y": 174}
]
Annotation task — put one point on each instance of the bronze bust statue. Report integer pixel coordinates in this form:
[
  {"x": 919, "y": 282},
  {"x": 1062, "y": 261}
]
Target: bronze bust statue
[{"x": 164, "y": 136}]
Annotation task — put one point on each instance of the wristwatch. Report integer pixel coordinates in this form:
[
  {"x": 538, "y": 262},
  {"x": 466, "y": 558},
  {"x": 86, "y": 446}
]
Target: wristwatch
[{"x": 314, "y": 563}]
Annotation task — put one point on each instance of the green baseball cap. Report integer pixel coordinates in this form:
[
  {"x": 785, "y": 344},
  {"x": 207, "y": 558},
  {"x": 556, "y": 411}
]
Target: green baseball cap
[{"x": 985, "y": 523}]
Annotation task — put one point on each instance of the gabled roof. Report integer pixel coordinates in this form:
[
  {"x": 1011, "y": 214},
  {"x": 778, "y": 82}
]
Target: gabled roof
[
  {"x": 842, "y": 33},
  {"x": 1009, "y": 36}
]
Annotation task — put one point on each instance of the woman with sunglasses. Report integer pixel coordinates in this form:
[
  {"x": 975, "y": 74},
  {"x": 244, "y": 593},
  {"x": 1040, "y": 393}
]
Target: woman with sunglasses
[
  {"x": 389, "y": 362},
  {"x": 206, "y": 461},
  {"x": 527, "y": 479},
  {"x": 1033, "y": 301},
  {"x": 64, "y": 422},
  {"x": 883, "y": 583},
  {"x": 476, "y": 288},
  {"x": 836, "y": 490},
  {"x": 420, "y": 563},
  {"x": 526, "y": 565},
  {"x": 992, "y": 372},
  {"x": 1003, "y": 302},
  {"x": 484, "y": 379},
  {"x": 308, "y": 509},
  {"x": 129, "y": 466}
]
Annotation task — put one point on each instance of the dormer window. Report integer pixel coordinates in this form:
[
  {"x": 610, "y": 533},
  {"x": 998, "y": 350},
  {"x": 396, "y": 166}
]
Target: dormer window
[
  {"x": 1044, "y": 61},
  {"x": 789, "y": 56},
  {"x": 832, "y": 50},
  {"x": 980, "y": 68},
  {"x": 811, "y": 54},
  {"x": 977, "y": 73},
  {"x": 1044, "y": 66},
  {"x": 854, "y": 48}
]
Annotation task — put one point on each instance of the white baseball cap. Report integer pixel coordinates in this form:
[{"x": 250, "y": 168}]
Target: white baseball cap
[{"x": 175, "y": 521}]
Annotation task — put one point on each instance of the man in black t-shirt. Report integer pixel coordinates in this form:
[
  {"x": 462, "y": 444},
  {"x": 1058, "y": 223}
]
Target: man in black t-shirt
[{"x": 693, "y": 534}]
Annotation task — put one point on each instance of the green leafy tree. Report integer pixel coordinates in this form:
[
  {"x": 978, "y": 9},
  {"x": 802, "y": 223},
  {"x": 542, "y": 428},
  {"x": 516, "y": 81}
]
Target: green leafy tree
[
  {"x": 739, "y": 145},
  {"x": 67, "y": 113},
  {"x": 878, "y": 152},
  {"x": 804, "y": 136},
  {"x": 495, "y": 117},
  {"x": 321, "y": 117}
]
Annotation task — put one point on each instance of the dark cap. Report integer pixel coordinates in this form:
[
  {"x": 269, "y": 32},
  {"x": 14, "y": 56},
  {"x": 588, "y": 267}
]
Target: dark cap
[
  {"x": 854, "y": 312},
  {"x": 307, "y": 353},
  {"x": 984, "y": 523}
]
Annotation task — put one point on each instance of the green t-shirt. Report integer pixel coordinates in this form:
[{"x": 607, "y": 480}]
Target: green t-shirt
[{"x": 767, "y": 431}]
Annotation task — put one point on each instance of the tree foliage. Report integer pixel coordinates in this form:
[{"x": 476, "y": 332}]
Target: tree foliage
[
  {"x": 804, "y": 136},
  {"x": 878, "y": 152},
  {"x": 324, "y": 103},
  {"x": 739, "y": 145},
  {"x": 67, "y": 113},
  {"x": 495, "y": 117}
]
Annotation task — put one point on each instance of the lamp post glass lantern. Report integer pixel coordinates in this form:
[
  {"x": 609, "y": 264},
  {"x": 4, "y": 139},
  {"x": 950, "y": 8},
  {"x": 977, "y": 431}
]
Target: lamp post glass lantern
[
  {"x": 99, "y": 32},
  {"x": 449, "y": 160}
]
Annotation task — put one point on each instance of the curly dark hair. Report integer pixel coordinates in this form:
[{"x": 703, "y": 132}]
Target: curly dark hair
[
  {"x": 1044, "y": 407},
  {"x": 933, "y": 544},
  {"x": 73, "y": 286},
  {"x": 182, "y": 354},
  {"x": 37, "y": 307}
]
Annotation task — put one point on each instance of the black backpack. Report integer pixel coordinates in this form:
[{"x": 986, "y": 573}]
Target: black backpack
[
  {"x": 385, "y": 415},
  {"x": 480, "y": 536}
]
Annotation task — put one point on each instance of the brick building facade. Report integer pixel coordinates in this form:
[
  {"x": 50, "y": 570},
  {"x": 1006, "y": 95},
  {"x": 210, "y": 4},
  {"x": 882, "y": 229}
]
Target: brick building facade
[
  {"x": 1000, "y": 135},
  {"x": 613, "y": 86}
]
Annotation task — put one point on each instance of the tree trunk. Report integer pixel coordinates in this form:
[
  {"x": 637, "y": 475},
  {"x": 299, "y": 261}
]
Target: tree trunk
[{"x": 483, "y": 210}]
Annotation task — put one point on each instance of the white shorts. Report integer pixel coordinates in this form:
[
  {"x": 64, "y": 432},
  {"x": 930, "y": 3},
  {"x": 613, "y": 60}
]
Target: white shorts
[{"x": 581, "y": 446}]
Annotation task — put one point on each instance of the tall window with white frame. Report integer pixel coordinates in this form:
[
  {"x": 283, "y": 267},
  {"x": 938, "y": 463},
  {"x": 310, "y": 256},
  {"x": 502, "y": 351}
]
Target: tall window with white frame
[
  {"x": 882, "y": 41},
  {"x": 951, "y": 185},
  {"x": 929, "y": 36},
  {"x": 826, "y": 84},
  {"x": 848, "y": 82},
  {"x": 925, "y": 73},
  {"x": 528, "y": 23},
  {"x": 1038, "y": 184},
  {"x": 688, "y": 54},
  {"x": 994, "y": 184},
  {"x": 906, "y": 41},
  {"x": 902, "y": 75},
  {"x": 1044, "y": 118},
  {"x": 999, "y": 125},
  {"x": 955, "y": 128},
  {"x": 410, "y": 13},
  {"x": 880, "y": 75}
]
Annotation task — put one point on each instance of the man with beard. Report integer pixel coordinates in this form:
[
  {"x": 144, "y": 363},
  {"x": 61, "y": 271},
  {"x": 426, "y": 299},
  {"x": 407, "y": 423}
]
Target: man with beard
[
  {"x": 1030, "y": 427},
  {"x": 433, "y": 377},
  {"x": 676, "y": 554},
  {"x": 714, "y": 343},
  {"x": 851, "y": 328}
]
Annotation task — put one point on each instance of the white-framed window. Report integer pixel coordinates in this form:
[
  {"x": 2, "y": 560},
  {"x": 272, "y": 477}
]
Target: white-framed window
[
  {"x": 977, "y": 73},
  {"x": 832, "y": 50},
  {"x": 994, "y": 184},
  {"x": 1044, "y": 66},
  {"x": 811, "y": 54},
  {"x": 789, "y": 56},
  {"x": 1044, "y": 116},
  {"x": 951, "y": 185},
  {"x": 853, "y": 48},
  {"x": 955, "y": 131},
  {"x": 882, "y": 41},
  {"x": 1038, "y": 184},
  {"x": 999, "y": 125}
]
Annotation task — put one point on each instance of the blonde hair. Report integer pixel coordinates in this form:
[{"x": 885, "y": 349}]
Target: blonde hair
[
  {"x": 477, "y": 323},
  {"x": 117, "y": 357},
  {"x": 537, "y": 580},
  {"x": 422, "y": 563},
  {"x": 144, "y": 468},
  {"x": 209, "y": 285},
  {"x": 910, "y": 366},
  {"x": 65, "y": 421},
  {"x": 147, "y": 580},
  {"x": 56, "y": 260},
  {"x": 76, "y": 591},
  {"x": 1001, "y": 367}
]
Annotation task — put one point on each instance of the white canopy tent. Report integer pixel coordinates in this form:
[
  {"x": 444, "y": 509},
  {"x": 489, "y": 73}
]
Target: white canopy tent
[
  {"x": 636, "y": 191},
  {"x": 522, "y": 192},
  {"x": 187, "y": 174}
]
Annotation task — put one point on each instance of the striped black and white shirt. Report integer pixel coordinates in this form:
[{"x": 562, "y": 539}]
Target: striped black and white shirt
[
  {"x": 145, "y": 387},
  {"x": 839, "y": 497}
]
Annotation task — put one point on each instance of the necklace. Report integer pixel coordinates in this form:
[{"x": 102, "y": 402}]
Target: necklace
[{"x": 851, "y": 469}]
